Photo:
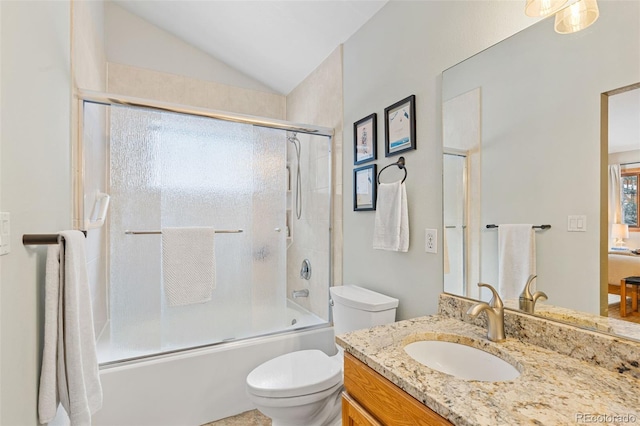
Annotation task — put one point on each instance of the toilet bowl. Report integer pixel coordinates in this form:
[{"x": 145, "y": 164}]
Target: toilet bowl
[
  {"x": 304, "y": 387},
  {"x": 298, "y": 388}
]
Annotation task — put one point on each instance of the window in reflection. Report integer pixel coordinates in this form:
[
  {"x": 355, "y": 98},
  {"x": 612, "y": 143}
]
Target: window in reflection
[{"x": 630, "y": 198}]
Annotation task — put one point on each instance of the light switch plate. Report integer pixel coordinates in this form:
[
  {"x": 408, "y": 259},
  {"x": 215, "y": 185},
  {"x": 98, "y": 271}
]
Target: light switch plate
[
  {"x": 577, "y": 223},
  {"x": 431, "y": 240},
  {"x": 5, "y": 233}
]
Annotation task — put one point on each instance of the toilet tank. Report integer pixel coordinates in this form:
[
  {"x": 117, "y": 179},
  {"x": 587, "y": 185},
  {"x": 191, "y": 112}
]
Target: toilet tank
[{"x": 356, "y": 307}]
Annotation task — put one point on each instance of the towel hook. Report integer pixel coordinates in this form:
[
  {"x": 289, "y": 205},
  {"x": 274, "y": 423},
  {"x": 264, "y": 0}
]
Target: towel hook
[{"x": 401, "y": 165}]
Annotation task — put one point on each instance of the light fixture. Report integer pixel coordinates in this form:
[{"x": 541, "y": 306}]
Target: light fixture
[
  {"x": 619, "y": 231},
  {"x": 577, "y": 17},
  {"x": 541, "y": 8}
]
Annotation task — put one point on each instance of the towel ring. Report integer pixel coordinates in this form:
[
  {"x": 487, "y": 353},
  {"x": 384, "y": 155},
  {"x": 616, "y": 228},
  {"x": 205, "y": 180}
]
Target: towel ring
[{"x": 400, "y": 163}]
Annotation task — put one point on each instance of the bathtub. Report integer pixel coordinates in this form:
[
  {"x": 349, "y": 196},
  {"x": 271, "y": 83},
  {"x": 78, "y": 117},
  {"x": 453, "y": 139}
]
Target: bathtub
[{"x": 198, "y": 386}]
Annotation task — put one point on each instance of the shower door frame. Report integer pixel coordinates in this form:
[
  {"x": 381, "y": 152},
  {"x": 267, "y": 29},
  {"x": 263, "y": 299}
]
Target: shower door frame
[
  {"x": 78, "y": 178},
  {"x": 465, "y": 213}
]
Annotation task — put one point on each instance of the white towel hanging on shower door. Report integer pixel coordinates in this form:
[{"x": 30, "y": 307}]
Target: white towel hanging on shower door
[{"x": 188, "y": 265}]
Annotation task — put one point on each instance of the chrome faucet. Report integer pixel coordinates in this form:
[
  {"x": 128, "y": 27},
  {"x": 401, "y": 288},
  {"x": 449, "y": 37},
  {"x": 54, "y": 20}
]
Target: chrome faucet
[
  {"x": 528, "y": 300},
  {"x": 300, "y": 293},
  {"x": 495, "y": 315}
]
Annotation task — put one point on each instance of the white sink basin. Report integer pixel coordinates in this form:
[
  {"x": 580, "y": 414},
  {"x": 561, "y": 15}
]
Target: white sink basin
[{"x": 461, "y": 361}]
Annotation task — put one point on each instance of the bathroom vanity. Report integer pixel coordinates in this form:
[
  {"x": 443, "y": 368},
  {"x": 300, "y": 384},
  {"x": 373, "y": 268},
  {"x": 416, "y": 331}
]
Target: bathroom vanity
[
  {"x": 369, "y": 396},
  {"x": 567, "y": 375}
]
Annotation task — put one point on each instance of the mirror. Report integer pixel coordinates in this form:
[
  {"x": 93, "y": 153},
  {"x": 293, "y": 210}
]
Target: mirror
[{"x": 522, "y": 145}]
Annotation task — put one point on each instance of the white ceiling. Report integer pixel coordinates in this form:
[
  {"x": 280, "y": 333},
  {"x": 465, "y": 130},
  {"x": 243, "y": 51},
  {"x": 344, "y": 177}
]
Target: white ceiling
[
  {"x": 278, "y": 43},
  {"x": 624, "y": 121}
]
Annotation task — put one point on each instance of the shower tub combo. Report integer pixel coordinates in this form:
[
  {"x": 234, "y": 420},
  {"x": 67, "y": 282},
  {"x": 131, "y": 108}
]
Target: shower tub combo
[{"x": 172, "y": 166}]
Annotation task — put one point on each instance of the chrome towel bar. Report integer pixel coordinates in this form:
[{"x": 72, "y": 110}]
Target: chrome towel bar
[{"x": 218, "y": 231}]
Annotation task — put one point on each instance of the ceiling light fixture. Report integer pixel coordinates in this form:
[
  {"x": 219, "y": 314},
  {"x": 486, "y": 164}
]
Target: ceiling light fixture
[
  {"x": 577, "y": 17},
  {"x": 542, "y": 8}
]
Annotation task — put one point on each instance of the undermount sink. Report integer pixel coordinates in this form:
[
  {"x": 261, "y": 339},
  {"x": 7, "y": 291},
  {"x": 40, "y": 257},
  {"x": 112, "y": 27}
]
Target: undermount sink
[{"x": 461, "y": 361}]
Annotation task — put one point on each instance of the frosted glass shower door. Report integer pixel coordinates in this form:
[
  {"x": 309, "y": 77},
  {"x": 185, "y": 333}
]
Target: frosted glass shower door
[{"x": 177, "y": 170}]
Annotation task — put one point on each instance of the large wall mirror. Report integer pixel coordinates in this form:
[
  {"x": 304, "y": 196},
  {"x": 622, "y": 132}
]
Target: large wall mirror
[{"x": 526, "y": 141}]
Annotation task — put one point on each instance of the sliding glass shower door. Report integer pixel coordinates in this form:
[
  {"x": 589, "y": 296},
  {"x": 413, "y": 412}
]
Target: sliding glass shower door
[{"x": 177, "y": 170}]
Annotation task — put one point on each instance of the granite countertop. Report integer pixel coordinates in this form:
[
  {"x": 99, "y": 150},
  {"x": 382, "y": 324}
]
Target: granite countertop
[
  {"x": 552, "y": 389},
  {"x": 583, "y": 319}
]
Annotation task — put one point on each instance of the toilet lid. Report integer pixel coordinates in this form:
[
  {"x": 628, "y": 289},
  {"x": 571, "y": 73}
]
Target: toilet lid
[{"x": 295, "y": 374}]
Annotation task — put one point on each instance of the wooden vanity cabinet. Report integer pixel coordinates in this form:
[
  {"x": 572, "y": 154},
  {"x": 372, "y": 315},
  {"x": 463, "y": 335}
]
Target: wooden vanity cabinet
[{"x": 371, "y": 400}]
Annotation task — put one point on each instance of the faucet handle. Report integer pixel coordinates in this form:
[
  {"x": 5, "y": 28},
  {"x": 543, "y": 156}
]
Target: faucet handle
[{"x": 496, "y": 301}]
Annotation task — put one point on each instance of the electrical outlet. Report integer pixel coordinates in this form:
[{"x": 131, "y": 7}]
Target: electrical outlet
[{"x": 431, "y": 240}]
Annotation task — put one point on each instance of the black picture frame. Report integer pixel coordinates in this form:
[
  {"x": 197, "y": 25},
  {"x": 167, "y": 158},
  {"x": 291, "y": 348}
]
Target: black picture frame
[
  {"x": 364, "y": 188},
  {"x": 365, "y": 139},
  {"x": 400, "y": 126}
]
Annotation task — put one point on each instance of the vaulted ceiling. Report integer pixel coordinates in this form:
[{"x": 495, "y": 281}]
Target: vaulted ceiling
[{"x": 278, "y": 43}]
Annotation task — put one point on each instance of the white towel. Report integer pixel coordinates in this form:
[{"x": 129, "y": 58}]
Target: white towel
[
  {"x": 69, "y": 362},
  {"x": 517, "y": 258},
  {"x": 391, "y": 229},
  {"x": 188, "y": 265}
]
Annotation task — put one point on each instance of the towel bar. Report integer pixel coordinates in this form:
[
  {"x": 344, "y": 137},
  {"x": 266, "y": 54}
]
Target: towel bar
[
  {"x": 38, "y": 239},
  {"x": 218, "y": 231},
  {"x": 534, "y": 226}
]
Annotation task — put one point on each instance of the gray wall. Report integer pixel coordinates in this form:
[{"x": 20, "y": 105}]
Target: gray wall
[
  {"x": 36, "y": 105},
  {"x": 401, "y": 51}
]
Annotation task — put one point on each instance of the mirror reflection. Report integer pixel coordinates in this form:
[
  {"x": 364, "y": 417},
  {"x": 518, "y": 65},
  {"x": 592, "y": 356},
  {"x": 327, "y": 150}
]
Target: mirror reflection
[{"x": 522, "y": 146}]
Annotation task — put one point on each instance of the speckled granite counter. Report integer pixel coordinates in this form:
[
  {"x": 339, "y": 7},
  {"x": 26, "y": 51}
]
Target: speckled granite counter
[
  {"x": 553, "y": 389},
  {"x": 583, "y": 319}
]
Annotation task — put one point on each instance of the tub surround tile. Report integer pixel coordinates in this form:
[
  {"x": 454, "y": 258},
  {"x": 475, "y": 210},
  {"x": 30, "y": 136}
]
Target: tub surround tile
[{"x": 553, "y": 387}]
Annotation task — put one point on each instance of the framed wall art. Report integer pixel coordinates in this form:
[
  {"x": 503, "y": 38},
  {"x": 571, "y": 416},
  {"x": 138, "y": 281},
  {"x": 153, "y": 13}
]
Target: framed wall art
[
  {"x": 400, "y": 126},
  {"x": 365, "y": 138},
  {"x": 364, "y": 188}
]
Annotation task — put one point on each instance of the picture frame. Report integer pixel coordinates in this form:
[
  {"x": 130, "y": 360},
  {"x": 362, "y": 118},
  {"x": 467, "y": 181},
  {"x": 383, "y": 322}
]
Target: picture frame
[
  {"x": 364, "y": 188},
  {"x": 400, "y": 126},
  {"x": 365, "y": 139}
]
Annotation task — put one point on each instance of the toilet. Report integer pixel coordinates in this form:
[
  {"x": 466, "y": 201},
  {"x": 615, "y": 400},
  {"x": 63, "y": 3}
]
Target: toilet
[{"x": 304, "y": 387}]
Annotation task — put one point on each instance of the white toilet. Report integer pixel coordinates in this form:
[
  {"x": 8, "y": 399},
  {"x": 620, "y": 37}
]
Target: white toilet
[{"x": 303, "y": 387}]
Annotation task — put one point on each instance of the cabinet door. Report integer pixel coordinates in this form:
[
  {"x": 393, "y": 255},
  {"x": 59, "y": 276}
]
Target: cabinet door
[
  {"x": 389, "y": 404},
  {"x": 354, "y": 415}
]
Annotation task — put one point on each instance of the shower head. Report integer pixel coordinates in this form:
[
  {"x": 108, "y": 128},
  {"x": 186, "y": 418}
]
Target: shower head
[{"x": 293, "y": 139}]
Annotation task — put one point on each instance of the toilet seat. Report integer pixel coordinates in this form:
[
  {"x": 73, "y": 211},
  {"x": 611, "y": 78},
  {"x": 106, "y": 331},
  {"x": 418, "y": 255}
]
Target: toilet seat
[{"x": 295, "y": 374}]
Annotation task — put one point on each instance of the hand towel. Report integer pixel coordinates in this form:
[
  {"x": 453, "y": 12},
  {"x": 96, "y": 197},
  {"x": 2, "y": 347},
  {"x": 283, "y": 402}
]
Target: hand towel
[
  {"x": 391, "y": 228},
  {"x": 188, "y": 265},
  {"x": 69, "y": 363},
  {"x": 517, "y": 258},
  {"x": 48, "y": 399}
]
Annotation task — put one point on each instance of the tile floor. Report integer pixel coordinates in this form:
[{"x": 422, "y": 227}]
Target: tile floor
[{"x": 249, "y": 418}]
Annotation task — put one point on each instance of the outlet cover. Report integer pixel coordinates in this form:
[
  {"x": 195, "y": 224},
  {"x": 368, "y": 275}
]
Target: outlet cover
[{"x": 431, "y": 240}]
